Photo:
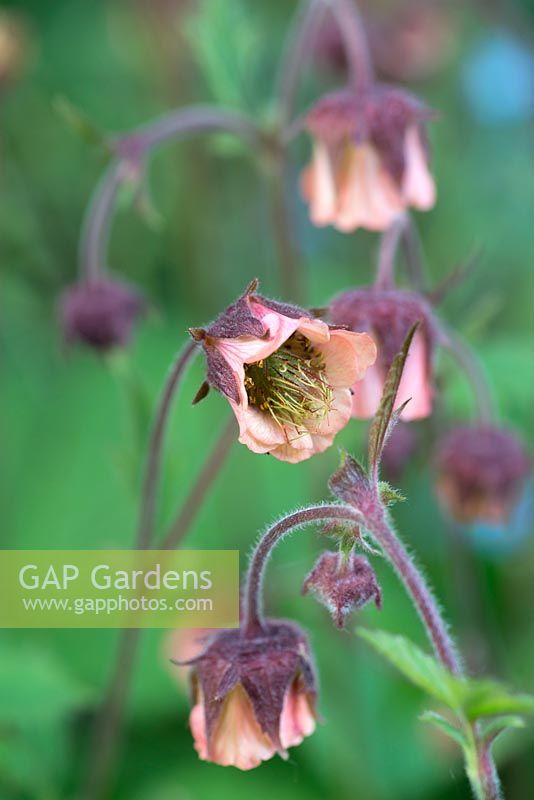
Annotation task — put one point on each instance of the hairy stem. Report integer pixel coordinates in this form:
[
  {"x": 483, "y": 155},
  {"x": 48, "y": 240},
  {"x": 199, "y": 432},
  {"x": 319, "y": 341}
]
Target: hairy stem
[
  {"x": 282, "y": 218},
  {"x": 470, "y": 365},
  {"x": 155, "y": 447},
  {"x": 352, "y": 30},
  {"x": 389, "y": 244},
  {"x": 203, "y": 483},
  {"x": 413, "y": 253},
  {"x": 252, "y": 596},
  {"x": 130, "y": 151},
  {"x": 417, "y": 588}
]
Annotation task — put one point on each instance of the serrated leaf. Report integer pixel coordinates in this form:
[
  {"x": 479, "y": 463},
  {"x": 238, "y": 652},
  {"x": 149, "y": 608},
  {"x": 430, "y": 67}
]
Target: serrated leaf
[
  {"x": 385, "y": 418},
  {"x": 389, "y": 495},
  {"x": 421, "y": 669},
  {"x": 350, "y": 482},
  {"x": 445, "y": 726},
  {"x": 487, "y": 698}
]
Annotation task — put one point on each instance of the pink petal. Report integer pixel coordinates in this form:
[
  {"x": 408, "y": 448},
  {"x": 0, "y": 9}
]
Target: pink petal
[
  {"x": 318, "y": 186},
  {"x": 367, "y": 394},
  {"x": 238, "y": 740},
  {"x": 418, "y": 186},
  {"x": 297, "y": 720},
  {"x": 249, "y": 349},
  {"x": 257, "y": 429},
  {"x": 415, "y": 382},
  {"x": 368, "y": 197},
  {"x": 348, "y": 355}
]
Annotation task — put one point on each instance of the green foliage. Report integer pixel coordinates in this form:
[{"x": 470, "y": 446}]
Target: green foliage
[
  {"x": 38, "y": 700},
  {"x": 226, "y": 43}
]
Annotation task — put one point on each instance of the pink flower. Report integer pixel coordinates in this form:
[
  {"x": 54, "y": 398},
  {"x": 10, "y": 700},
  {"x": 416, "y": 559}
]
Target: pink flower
[
  {"x": 253, "y": 698},
  {"x": 370, "y": 159},
  {"x": 287, "y": 376},
  {"x": 481, "y": 472},
  {"x": 388, "y": 315}
]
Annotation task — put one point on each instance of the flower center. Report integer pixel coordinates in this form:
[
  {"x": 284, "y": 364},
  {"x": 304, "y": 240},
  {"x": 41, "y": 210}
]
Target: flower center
[{"x": 291, "y": 384}]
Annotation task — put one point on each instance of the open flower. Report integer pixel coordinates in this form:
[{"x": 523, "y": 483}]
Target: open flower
[
  {"x": 481, "y": 472},
  {"x": 253, "y": 697},
  {"x": 388, "y": 315},
  {"x": 370, "y": 159},
  {"x": 100, "y": 313},
  {"x": 287, "y": 376}
]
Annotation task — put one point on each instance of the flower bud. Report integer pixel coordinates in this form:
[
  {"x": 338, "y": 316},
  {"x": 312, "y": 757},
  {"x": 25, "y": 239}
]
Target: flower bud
[
  {"x": 388, "y": 315},
  {"x": 343, "y": 584},
  {"x": 287, "y": 376},
  {"x": 370, "y": 159},
  {"x": 253, "y": 697},
  {"x": 481, "y": 472},
  {"x": 100, "y": 313}
]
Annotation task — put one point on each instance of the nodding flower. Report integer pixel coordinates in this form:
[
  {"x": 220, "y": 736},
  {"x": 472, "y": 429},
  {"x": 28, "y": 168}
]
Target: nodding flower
[
  {"x": 481, "y": 471},
  {"x": 388, "y": 314},
  {"x": 252, "y": 697},
  {"x": 288, "y": 377},
  {"x": 343, "y": 583},
  {"x": 100, "y": 313},
  {"x": 370, "y": 159}
]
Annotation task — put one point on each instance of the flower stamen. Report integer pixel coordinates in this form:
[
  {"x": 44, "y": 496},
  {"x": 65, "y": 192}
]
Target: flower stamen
[{"x": 291, "y": 384}]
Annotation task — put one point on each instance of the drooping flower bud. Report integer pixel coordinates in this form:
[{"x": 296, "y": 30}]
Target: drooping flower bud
[
  {"x": 388, "y": 315},
  {"x": 481, "y": 470},
  {"x": 343, "y": 584},
  {"x": 370, "y": 159},
  {"x": 100, "y": 313},
  {"x": 288, "y": 377},
  {"x": 253, "y": 697}
]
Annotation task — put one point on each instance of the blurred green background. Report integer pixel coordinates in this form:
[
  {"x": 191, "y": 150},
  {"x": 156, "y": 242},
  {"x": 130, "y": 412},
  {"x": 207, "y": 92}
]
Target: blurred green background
[{"x": 73, "y": 425}]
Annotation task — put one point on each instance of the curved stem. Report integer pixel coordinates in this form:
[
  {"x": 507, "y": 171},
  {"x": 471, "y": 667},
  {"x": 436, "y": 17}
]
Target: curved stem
[
  {"x": 469, "y": 363},
  {"x": 413, "y": 253},
  {"x": 97, "y": 223},
  {"x": 417, "y": 588},
  {"x": 389, "y": 244},
  {"x": 252, "y": 596},
  {"x": 203, "y": 483},
  {"x": 299, "y": 45},
  {"x": 153, "y": 465},
  {"x": 282, "y": 215},
  {"x": 352, "y": 30},
  {"x": 130, "y": 150}
]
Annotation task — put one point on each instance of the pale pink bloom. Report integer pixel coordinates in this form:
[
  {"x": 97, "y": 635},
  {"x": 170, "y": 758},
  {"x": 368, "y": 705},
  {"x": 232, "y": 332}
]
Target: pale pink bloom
[
  {"x": 238, "y": 740},
  {"x": 415, "y": 386},
  {"x": 289, "y": 385},
  {"x": 369, "y": 161},
  {"x": 388, "y": 315},
  {"x": 254, "y": 697}
]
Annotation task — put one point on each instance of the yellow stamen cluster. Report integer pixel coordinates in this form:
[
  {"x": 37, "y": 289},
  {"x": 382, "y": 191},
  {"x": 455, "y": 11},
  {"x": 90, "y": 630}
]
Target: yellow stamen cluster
[{"x": 291, "y": 384}]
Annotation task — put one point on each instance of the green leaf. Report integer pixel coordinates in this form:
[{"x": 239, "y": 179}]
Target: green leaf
[
  {"x": 227, "y": 42},
  {"x": 385, "y": 418},
  {"x": 421, "y": 669},
  {"x": 472, "y": 697},
  {"x": 487, "y": 698},
  {"x": 445, "y": 726},
  {"x": 497, "y": 726},
  {"x": 389, "y": 495}
]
